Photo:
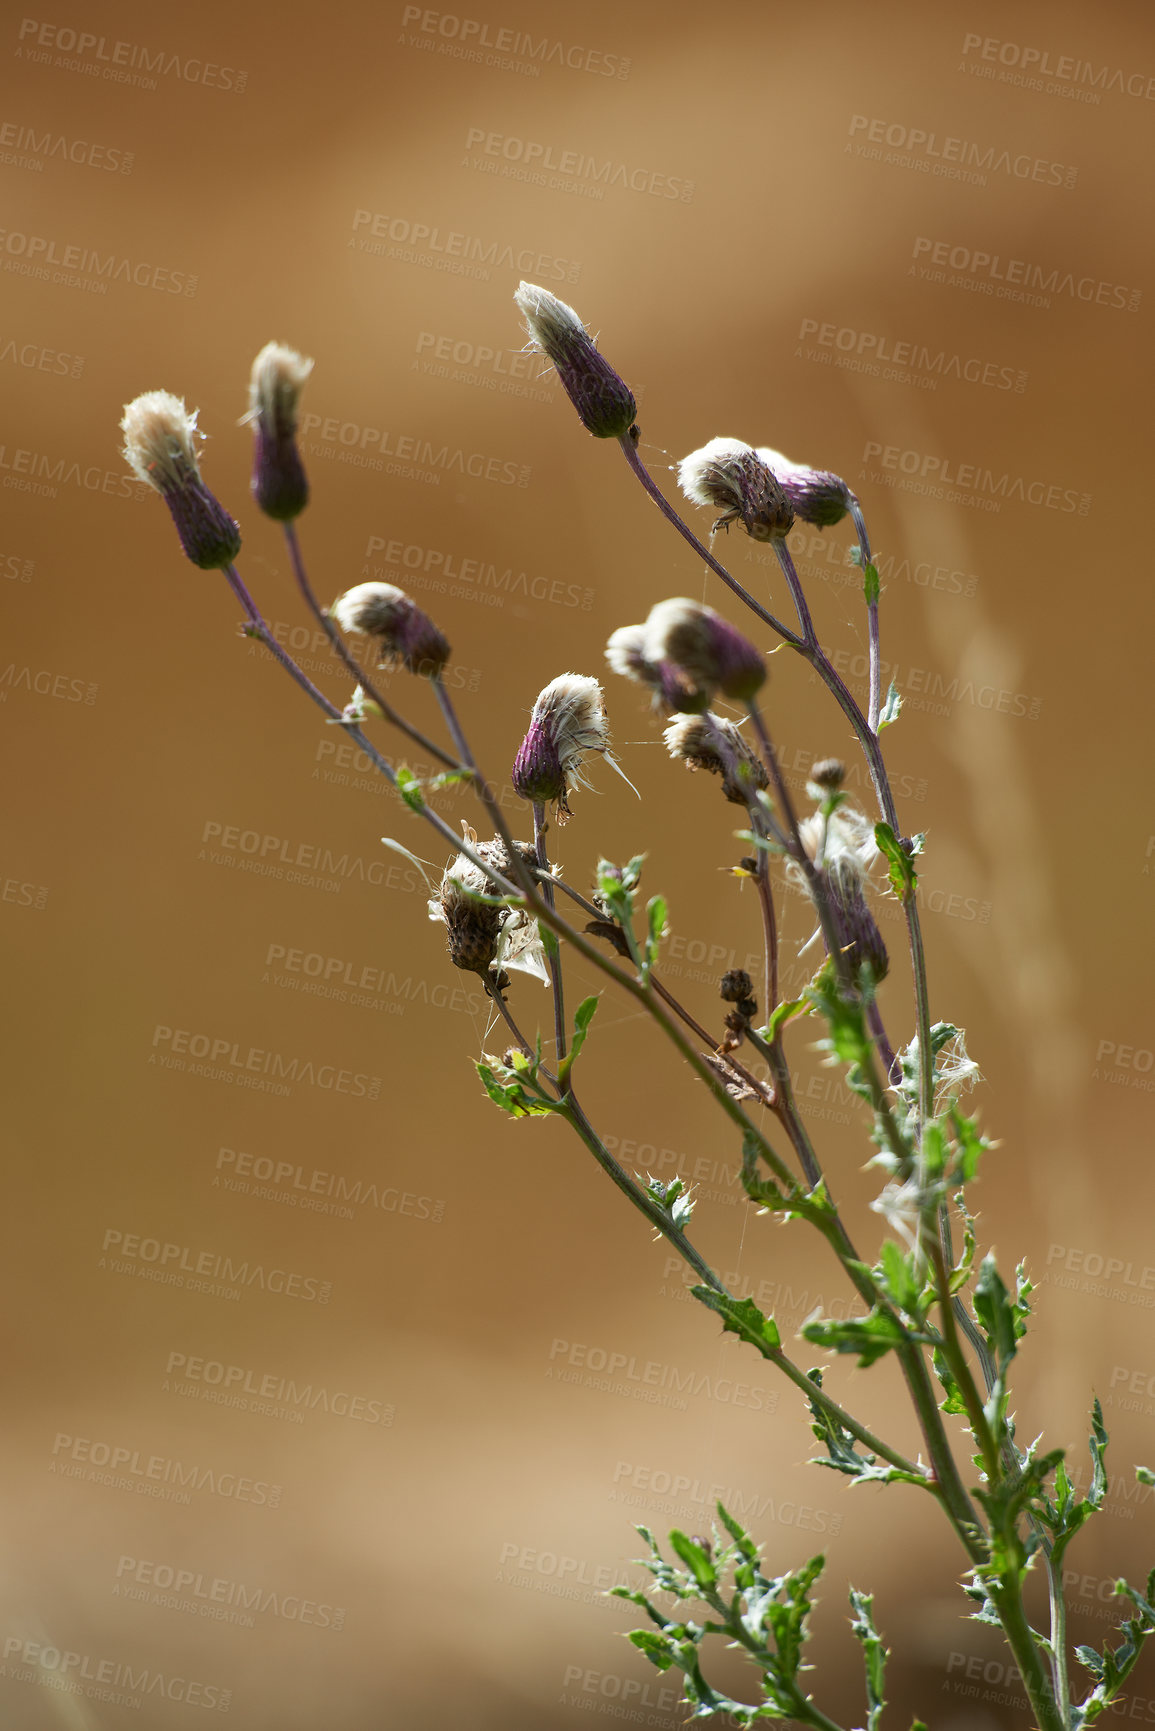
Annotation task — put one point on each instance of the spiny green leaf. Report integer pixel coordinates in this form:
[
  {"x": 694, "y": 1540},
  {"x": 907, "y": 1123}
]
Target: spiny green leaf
[
  {"x": 741, "y": 1316},
  {"x": 871, "y": 1337},
  {"x": 874, "y": 1655},
  {"x": 870, "y": 583},
  {"x": 903, "y": 876}
]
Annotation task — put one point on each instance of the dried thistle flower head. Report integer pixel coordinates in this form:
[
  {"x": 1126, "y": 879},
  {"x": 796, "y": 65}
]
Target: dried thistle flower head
[
  {"x": 706, "y": 651},
  {"x": 484, "y": 938},
  {"x": 817, "y": 496},
  {"x": 159, "y": 448},
  {"x": 712, "y": 743},
  {"x": 279, "y": 484},
  {"x": 602, "y": 399},
  {"x": 733, "y": 477},
  {"x": 568, "y": 720},
  {"x": 670, "y": 688},
  {"x": 407, "y": 635}
]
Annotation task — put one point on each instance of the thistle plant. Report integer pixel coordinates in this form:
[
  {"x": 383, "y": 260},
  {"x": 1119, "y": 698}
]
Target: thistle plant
[{"x": 953, "y": 1322}]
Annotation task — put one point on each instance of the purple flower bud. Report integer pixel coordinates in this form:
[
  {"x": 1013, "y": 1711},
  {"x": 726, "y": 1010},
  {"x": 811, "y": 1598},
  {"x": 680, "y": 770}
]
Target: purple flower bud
[
  {"x": 568, "y": 720},
  {"x": 705, "y": 650},
  {"x": 279, "y": 485},
  {"x": 407, "y": 635},
  {"x": 537, "y": 772},
  {"x": 732, "y": 475},
  {"x": 158, "y": 447},
  {"x": 603, "y": 400},
  {"x": 817, "y": 496},
  {"x": 671, "y": 687}
]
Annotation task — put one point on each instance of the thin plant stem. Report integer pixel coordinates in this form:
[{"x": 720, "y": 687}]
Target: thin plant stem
[
  {"x": 797, "y": 594},
  {"x": 554, "y": 954},
  {"x": 630, "y": 451},
  {"x": 493, "y": 991},
  {"x": 348, "y": 661},
  {"x": 874, "y": 701},
  {"x": 954, "y": 1497}
]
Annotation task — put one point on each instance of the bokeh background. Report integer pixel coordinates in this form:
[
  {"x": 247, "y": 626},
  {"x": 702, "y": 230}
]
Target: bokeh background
[{"x": 382, "y": 1477}]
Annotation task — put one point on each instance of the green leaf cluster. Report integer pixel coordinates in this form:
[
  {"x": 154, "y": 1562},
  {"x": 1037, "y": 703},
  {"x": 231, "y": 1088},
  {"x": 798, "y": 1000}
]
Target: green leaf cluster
[{"x": 766, "y": 1616}]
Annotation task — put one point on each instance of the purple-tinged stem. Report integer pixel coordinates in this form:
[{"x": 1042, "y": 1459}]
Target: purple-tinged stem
[{"x": 343, "y": 654}]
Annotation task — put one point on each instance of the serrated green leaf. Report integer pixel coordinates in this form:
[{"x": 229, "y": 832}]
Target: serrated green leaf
[
  {"x": 409, "y": 788},
  {"x": 1145, "y": 1475},
  {"x": 903, "y": 876},
  {"x": 954, "y": 1401},
  {"x": 583, "y": 1016},
  {"x": 891, "y": 708},
  {"x": 870, "y": 583},
  {"x": 904, "y": 1286},
  {"x": 741, "y": 1316},
  {"x": 871, "y": 1336},
  {"x": 655, "y": 1647},
  {"x": 874, "y": 1655},
  {"x": 992, "y": 1306}
]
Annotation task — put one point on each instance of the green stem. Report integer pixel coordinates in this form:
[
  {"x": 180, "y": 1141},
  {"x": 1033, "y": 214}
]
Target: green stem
[
  {"x": 1008, "y": 1601},
  {"x": 554, "y": 955},
  {"x": 1058, "y": 1602}
]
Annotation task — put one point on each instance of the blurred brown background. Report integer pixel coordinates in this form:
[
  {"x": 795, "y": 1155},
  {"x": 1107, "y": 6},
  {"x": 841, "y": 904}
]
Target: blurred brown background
[{"x": 376, "y": 1483}]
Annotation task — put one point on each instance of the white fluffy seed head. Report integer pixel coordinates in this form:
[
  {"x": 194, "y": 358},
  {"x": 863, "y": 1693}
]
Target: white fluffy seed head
[{"x": 159, "y": 441}]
